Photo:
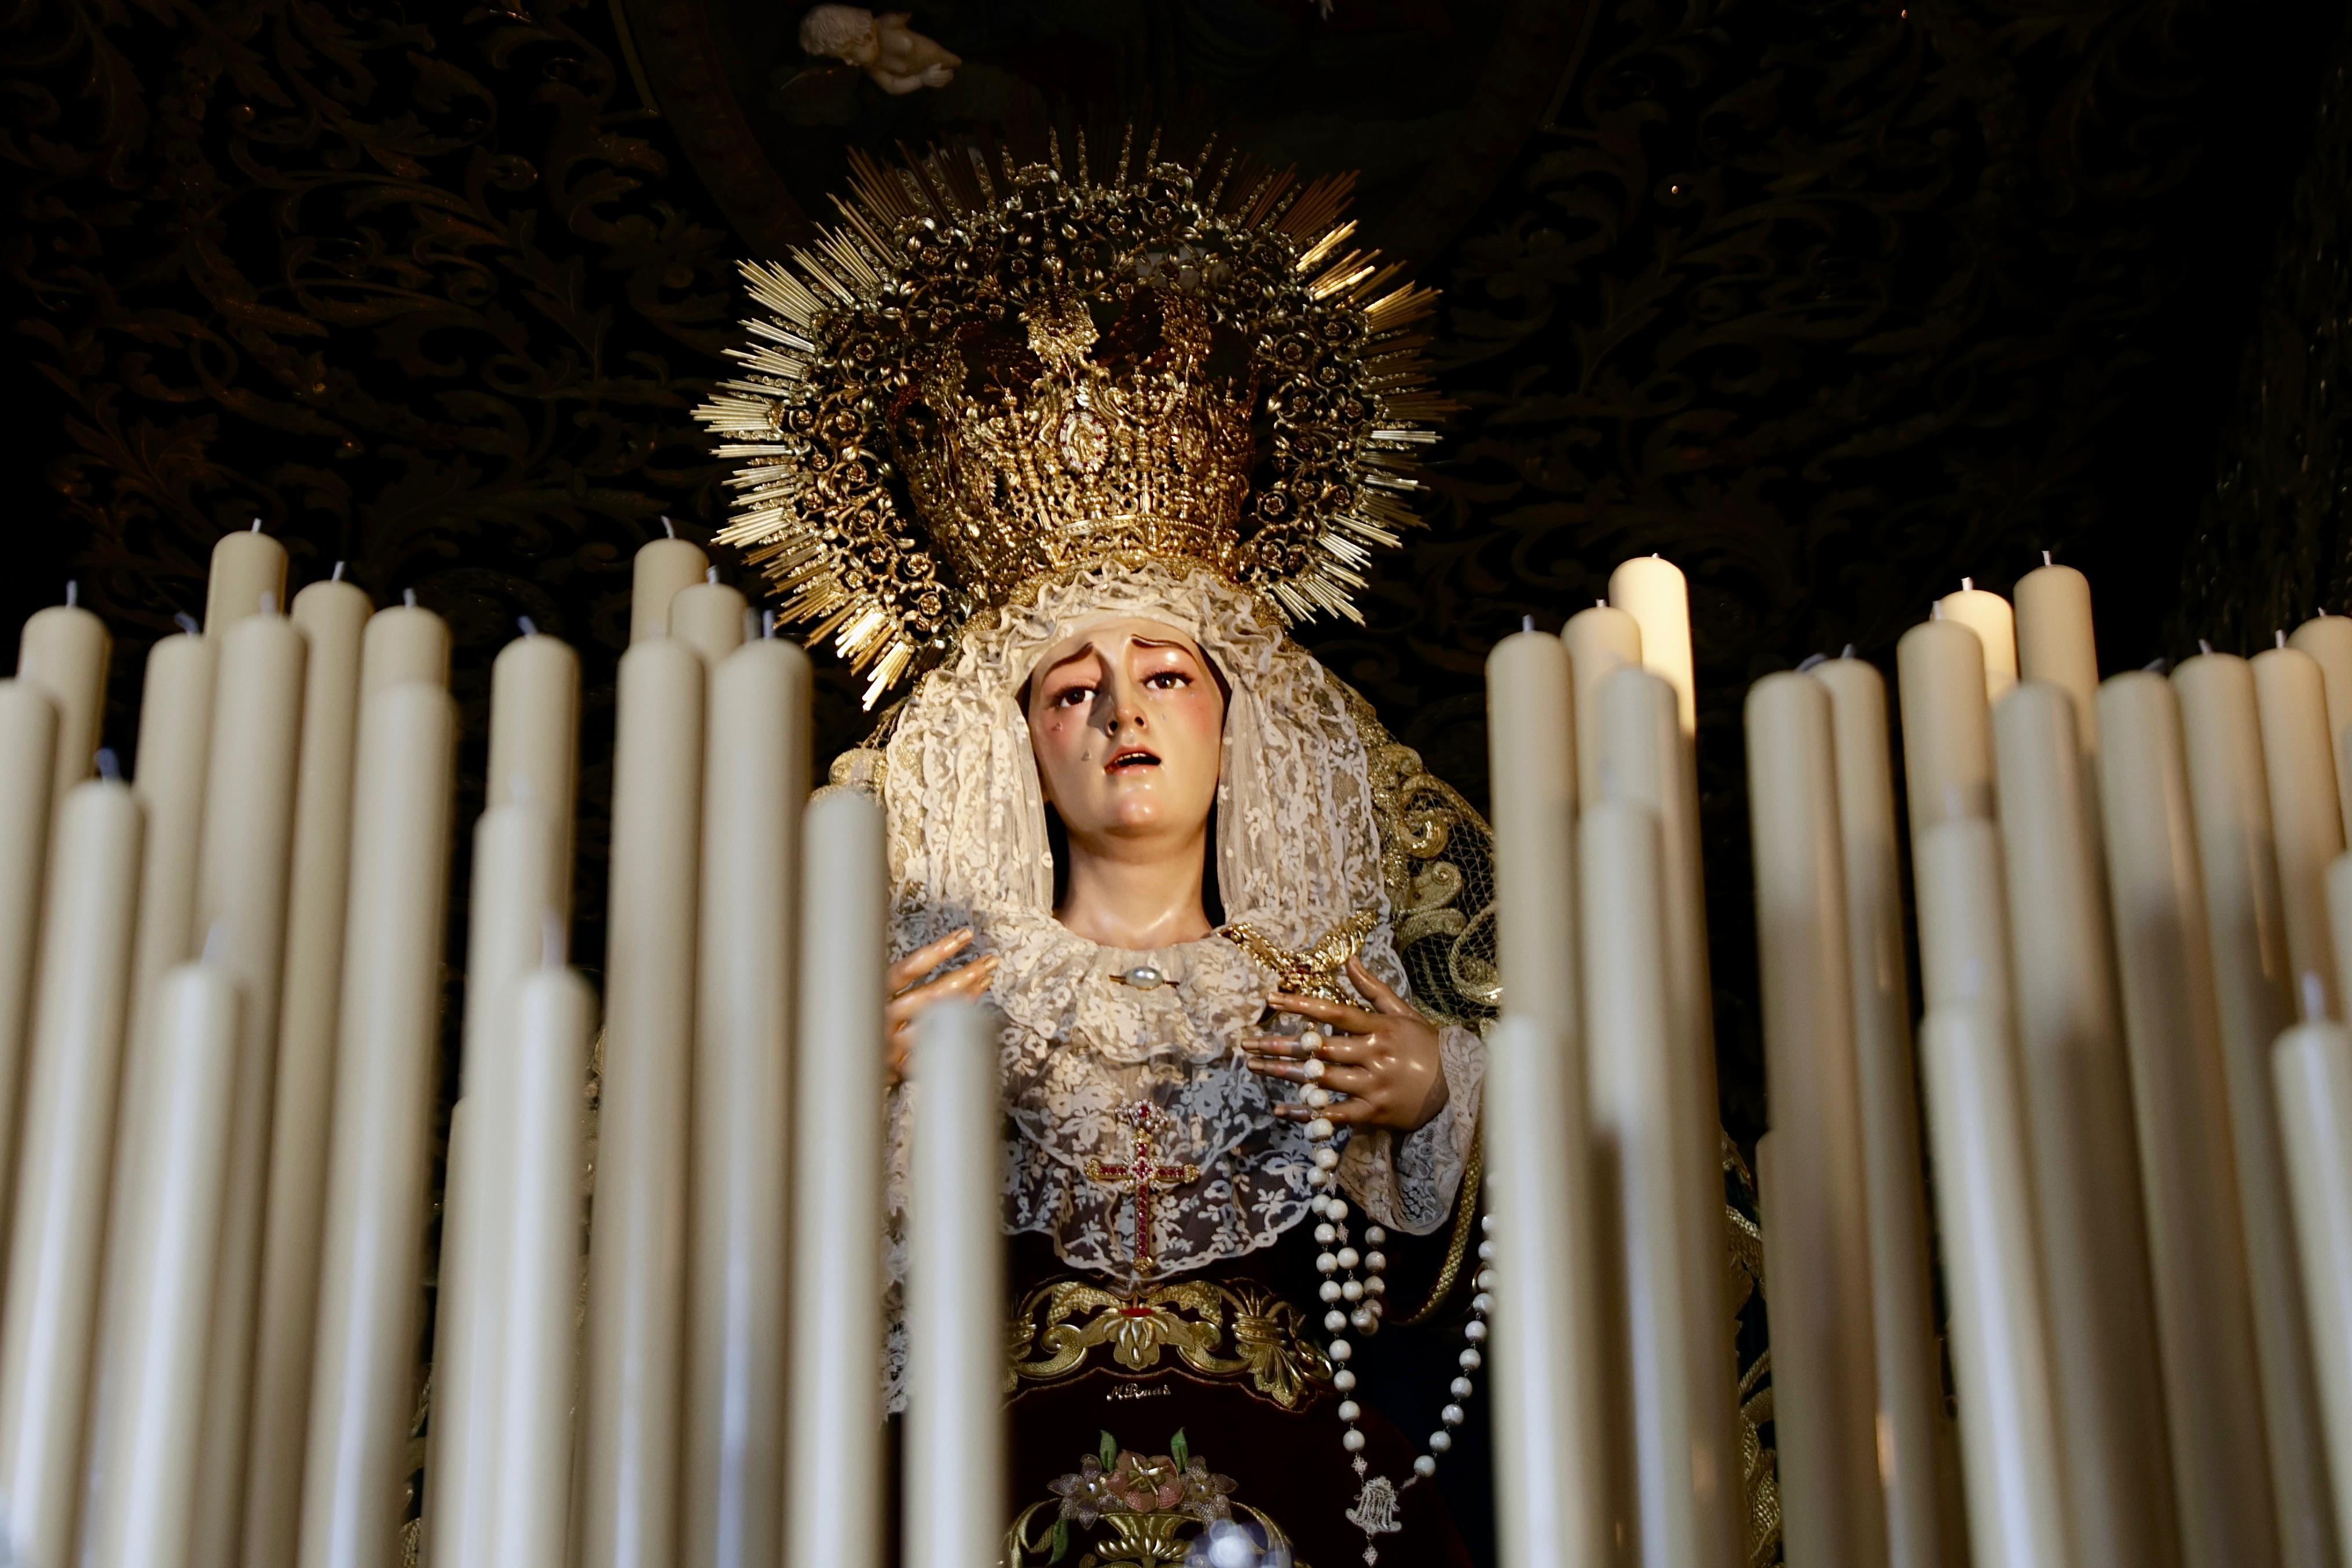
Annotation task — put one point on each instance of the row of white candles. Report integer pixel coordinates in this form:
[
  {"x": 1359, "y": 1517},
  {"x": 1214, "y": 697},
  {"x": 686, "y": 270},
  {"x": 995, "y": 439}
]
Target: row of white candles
[{"x": 219, "y": 1015}]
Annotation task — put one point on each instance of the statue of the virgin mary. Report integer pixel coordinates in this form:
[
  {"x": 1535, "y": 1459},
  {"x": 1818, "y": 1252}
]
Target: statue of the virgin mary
[{"x": 1074, "y": 445}]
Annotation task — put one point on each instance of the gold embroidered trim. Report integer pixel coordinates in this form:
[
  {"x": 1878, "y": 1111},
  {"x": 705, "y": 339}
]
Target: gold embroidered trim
[{"x": 1216, "y": 1329}]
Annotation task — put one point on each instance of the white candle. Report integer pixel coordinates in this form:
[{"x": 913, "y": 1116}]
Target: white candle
[
  {"x": 175, "y": 718},
  {"x": 248, "y": 568},
  {"x": 535, "y": 740},
  {"x": 1989, "y": 617},
  {"x": 1825, "y": 1394},
  {"x": 2339, "y": 920},
  {"x": 1668, "y": 1263},
  {"x": 147, "y": 1398},
  {"x": 404, "y": 645},
  {"x": 69, "y": 1140},
  {"x": 2077, "y": 1097},
  {"x": 241, "y": 881},
  {"x": 2306, "y": 827},
  {"x": 2172, "y": 1031},
  {"x": 2000, "y": 1353},
  {"x": 2055, "y": 643},
  {"x": 64, "y": 652},
  {"x": 2329, "y": 641},
  {"x": 28, "y": 734},
  {"x": 1600, "y": 641},
  {"x": 832, "y": 1476},
  {"x": 369, "y": 1284},
  {"x": 1532, "y": 756},
  {"x": 1549, "y": 1504},
  {"x": 332, "y": 618},
  {"x": 955, "y": 1291},
  {"x": 1914, "y": 1434},
  {"x": 555, "y": 1011},
  {"x": 756, "y": 771},
  {"x": 1946, "y": 724},
  {"x": 514, "y": 894},
  {"x": 709, "y": 619},
  {"x": 1654, "y": 592},
  {"x": 630, "y": 1398},
  {"x": 2313, "y": 1073},
  {"x": 658, "y": 572},
  {"x": 2256, "y": 935}
]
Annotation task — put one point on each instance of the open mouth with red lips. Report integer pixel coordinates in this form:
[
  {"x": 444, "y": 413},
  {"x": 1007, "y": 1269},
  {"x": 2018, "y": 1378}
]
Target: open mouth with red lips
[{"x": 1131, "y": 759}]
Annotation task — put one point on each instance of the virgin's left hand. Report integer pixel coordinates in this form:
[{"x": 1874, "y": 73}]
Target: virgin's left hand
[{"x": 1385, "y": 1060}]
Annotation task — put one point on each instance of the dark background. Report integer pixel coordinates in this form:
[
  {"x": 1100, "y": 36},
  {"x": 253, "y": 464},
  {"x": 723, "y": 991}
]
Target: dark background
[{"x": 1829, "y": 302}]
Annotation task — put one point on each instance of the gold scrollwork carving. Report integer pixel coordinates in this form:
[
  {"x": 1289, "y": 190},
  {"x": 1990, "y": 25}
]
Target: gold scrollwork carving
[{"x": 1216, "y": 1329}]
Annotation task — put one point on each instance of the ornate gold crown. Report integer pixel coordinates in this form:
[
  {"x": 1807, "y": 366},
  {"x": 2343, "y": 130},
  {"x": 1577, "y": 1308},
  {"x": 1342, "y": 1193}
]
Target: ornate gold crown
[{"x": 991, "y": 371}]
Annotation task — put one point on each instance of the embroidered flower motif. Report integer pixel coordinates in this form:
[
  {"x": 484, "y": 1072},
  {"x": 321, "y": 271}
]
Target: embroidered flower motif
[
  {"x": 1148, "y": 1484},
  {"x": 1087, "y": 1495},
  {"x": 1206, "y": 1491}
]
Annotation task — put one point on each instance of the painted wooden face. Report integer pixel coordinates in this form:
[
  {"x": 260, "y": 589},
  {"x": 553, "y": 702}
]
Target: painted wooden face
[{"x": 1127, "y": 723}]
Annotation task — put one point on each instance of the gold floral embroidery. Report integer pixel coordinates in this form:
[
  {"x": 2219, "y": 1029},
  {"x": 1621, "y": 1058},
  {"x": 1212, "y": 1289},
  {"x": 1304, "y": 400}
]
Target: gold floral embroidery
[{"x": 1215, "y": 1329}]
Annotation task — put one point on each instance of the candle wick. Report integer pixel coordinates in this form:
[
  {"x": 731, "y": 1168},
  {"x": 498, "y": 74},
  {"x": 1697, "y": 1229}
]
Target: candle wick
[
  {"x": 767, "y": 625},
  {"x": 217, "y": 942},
  {"x": 2204, "y": 646},
  {"x": 1968, "y": 585},
  {"x": 1936, "y": 611},
  {"x": 528, "y": 630},
  {"x": 1811, "y": 660},
  {"x": 337, "y": 574},
  {"x": 667, "y": 531},
  {"x": 187, "y": 623},
  {"x": 408, "y": 597},
  {"x": 1600, "y": 603},
  {"x": 2315, "y": 996},
  {"x": 257, "y": 525},
  {"x": 2153, "y": 665},
  {"x": 2282, "y": 638},
  {"x": 711, "y": 574},
  {"x": 1848, "y": 653},
  {"x": 2045, "y": 558},
  {"x": 1526, "y": 623},
  {"x": 73, "y": 593},
  {"x": 110, "y": 766}
]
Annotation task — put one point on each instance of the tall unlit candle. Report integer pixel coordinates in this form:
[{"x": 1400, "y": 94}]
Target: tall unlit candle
[
  {"x": 833, "y": 1477},
  {"x": 1549, "y": 1502},
  {"x": 404, "y": 643},
  {"x": 709, "y": 619},
  {"x": 630, "y": 1400},
  {"x": 175, "y": 718},
  {"x": 1989, "y": 617},
  {"x": 1825, "y": 1396},
  {"x": 2172, "y": 1031},
  {"x": 1946, "y": 724},
  {"x": 555, "y": 1011},
  {"x": 29, "y": 734},
  {"x": 955, "y": 1285},
  {"x": 1655, "y": 593},
  {"x": 1913, "y": 1430},
  {"x": 332, "y": 618},
  {"x": 535, "y": 739},
  {"x": 247, "y": 567},
  {"x": 241, "y": 882},
  {"x": 756, "y": 769},
  {"x": 151, "y": 1382},
  {"x": 2056, "y": 644},
  {"x": 2077, "y": 1097},
  {"x": 658, "y": 572},
  {"x": 55, "y": 1244},
  {"x": 1533, "y": 764},
  {"x": 370, "y": 1285},
  {"x": 64, "y": 652},
  {"x": 2244, "y": 850}
]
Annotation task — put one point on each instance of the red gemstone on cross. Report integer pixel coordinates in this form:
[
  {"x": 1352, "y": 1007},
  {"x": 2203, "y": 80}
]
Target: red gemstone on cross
[{"x": 1142, "y": 1172}]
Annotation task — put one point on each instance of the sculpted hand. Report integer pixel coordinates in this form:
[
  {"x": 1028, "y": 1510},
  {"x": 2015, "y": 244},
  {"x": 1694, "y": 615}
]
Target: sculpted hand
[
  {"x": 908, "y": 999},
  {"x": 1385, "y": 1060}
]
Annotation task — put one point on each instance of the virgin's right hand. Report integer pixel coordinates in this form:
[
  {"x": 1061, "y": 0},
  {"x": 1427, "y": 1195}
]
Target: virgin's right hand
[{"x": 908, "y": 999}]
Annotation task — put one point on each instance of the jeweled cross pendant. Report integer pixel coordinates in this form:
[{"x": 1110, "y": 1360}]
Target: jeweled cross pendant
[{"x": 1143, "y": 1172}]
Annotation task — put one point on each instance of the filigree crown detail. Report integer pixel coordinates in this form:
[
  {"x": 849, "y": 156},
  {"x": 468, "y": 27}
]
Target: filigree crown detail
[{"x": 991, "y": 371}]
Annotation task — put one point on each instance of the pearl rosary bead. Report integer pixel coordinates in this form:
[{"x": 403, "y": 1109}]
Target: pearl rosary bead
[
  {"x": 1331, "y": 1290},
  {"x": 1353, "y": 1440},
  {"x": 1425, "y": 1466},
  {"x": 1334, "y": 1320},
  {"x": 1452, "y": 1415},
  {"x": 1440, "y": 1441},
  {"x": 1344, "y": 1381},
  {"x": 1470, "y": 1359},
  {"x": 1320, "y": 1128},
  {"x": 1326, "y": 1158},
  {"x": 1485, "y": 1252},
  {"x": 1352, "y": 1290},
  {"x": 1326, "y": 1234},
  {"x": 1327, "y": 1263},
  {"x": 1349, "y": 1410},
  {"x": 1474, "y": 1331},
  {"x": 1313, "y": 1071},
  {"x": 1338, "y": 1209},
  {"x": 1341, "y": 1350},
  {"x": 1460, "y": 1387},
  {"x": 1376, "y": 1261},
  {"x": 1348, "y": 1258},
  {"x": 1317, "y": 1098}
]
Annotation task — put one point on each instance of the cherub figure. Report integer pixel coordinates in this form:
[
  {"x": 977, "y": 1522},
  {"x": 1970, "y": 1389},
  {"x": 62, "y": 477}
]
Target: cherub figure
[{"x": 899, "y": 59}]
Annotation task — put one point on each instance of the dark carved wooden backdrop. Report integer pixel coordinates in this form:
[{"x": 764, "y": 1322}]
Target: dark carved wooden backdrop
[{"x": 1831, "y": 300}]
